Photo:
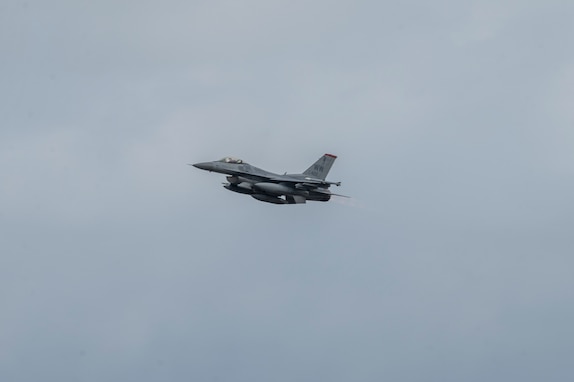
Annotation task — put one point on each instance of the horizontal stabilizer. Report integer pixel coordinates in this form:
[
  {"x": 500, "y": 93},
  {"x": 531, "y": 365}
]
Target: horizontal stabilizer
[{"x": 327, "y": 192}]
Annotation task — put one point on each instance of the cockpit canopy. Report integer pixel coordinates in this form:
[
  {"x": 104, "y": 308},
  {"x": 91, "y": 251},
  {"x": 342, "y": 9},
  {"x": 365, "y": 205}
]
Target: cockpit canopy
[{"x": 231, "y": 160}]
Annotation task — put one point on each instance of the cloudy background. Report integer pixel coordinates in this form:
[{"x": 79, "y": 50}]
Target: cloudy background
[{"x": 454, "y": 126}]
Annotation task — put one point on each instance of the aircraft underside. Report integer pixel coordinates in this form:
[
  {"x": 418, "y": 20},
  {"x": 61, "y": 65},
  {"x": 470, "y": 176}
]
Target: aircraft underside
[{"x": 277, "y": 193}]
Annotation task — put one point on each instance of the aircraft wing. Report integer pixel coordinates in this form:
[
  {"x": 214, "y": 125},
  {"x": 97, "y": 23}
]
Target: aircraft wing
[{"x": 306, "y": 182}]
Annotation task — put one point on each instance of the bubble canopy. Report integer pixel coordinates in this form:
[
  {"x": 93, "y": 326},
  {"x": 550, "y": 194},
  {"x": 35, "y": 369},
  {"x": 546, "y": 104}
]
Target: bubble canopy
[{"x": 230, "y": 160}]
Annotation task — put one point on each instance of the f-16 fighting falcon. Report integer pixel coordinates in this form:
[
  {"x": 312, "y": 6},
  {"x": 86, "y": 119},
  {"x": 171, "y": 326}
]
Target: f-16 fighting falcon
[{"x": 274, "y": 188}]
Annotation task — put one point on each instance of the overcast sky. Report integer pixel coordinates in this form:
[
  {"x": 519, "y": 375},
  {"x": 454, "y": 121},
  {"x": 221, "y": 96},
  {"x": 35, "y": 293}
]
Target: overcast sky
[{"x": 453, "y": 122}]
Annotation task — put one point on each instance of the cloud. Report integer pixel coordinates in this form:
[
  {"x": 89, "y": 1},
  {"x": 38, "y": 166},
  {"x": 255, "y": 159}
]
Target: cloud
[{"x": 450, "y": 261}]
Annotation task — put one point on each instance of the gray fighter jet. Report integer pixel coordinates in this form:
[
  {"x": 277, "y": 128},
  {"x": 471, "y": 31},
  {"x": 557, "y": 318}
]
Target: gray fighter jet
[{"x": 274, "y": 188}]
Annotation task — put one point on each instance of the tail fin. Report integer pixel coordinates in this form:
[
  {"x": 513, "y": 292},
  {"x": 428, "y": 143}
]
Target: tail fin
[{"x": 321, "y": 168}]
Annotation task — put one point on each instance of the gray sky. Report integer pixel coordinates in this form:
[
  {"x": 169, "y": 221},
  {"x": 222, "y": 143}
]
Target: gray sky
[{"x": 454, "y": 127}]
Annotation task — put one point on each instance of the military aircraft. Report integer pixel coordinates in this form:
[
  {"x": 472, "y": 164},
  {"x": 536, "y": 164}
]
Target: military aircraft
[{"x": 273, "y": 188}]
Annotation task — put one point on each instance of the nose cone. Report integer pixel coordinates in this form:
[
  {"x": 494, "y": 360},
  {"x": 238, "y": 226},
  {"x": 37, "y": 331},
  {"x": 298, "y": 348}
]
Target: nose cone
[{"x": 208, "y": 166}]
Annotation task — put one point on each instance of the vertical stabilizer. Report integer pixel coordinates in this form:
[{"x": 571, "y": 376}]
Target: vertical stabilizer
[{"x": 321, "y": 168}]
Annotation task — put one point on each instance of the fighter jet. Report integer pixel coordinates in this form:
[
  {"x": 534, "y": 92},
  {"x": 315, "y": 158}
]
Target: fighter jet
[{"x": 274, "y": 188}]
